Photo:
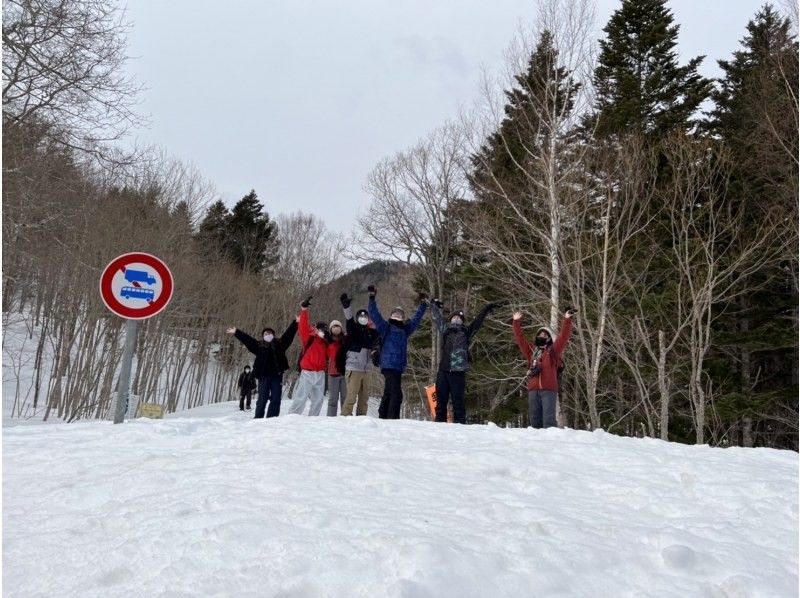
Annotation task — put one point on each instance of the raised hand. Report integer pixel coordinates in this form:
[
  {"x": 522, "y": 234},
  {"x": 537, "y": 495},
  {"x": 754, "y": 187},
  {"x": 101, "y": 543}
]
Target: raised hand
[
  {"x": 231, "y": 330},
  {"x": 501, "y": 303},
  {"x": 422, "y": 298},
  {"x": 372, "y": 291},
  {"x": 307, "y": 302},
  {"x": 438, "y": 303},
  {"x": 570, "y": 312},
  {"x": 346, "y": 301},
  {"x": 517, "y": 315}
]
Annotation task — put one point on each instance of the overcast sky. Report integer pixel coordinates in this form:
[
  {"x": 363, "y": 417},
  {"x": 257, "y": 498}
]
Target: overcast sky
[{"x": 298, "y": 100}]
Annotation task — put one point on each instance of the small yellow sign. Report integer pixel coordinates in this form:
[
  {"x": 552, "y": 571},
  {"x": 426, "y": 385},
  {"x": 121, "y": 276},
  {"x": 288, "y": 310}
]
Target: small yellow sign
[{"x": 151, "y": 410}]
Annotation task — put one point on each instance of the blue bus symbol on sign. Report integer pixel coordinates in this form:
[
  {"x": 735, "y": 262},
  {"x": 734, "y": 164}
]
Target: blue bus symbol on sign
[
  {"x": 137, "y": 293},
  {"x": 139, "y": 276}
]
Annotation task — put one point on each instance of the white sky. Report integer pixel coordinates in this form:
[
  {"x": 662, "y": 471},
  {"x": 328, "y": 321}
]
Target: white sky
[{"x": 298, "y": 100}]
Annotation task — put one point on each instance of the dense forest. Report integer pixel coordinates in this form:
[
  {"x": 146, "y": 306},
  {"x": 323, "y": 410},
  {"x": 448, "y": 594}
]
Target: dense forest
[{"x": 608, "y": 176}]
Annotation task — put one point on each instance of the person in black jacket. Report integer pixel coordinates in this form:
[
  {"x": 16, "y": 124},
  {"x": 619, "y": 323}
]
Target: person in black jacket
[
  {"x": 246, "y": 384},
  {"x": 269, "y": 365},
  {"x": 456, "y": 337}
]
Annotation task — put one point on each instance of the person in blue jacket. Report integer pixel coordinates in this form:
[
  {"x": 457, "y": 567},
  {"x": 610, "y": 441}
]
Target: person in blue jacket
[{"x": 394, "y": 351}]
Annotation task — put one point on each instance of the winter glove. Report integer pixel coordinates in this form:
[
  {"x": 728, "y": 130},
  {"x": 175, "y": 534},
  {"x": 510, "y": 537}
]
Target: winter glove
[
  {"x": 438, "y": 303},
  {"x": 372, "y": 291},
  {"x": 570, "y": 312},
  {"x": 307, "y": 302},
  {"x": 422, "y": 298},
  {"x": 346, "y": 301}
]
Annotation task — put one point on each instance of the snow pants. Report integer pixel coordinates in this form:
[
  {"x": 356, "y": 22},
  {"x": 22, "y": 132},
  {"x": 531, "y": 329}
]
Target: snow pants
[
  {"x": 392, "y": 398},
  {"x": 269, "y": 389},
  {"x": 310, "y": 385},
  {"x": 542, "y": 408},
  {"x": 451, "y": 385},
  {"x": 337, "y": 393},
  {"x": 356, "y": 389}
]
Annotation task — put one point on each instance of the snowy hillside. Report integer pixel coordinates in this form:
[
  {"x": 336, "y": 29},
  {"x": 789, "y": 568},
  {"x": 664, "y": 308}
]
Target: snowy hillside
[{"x": 214, "y": 503}]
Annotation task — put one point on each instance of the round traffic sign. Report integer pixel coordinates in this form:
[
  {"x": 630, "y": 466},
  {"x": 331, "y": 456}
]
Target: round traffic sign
[{"x": 136, "y": 285}]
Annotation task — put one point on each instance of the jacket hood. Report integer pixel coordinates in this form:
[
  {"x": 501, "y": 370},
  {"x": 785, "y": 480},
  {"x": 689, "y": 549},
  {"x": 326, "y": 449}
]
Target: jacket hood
[{"x": 547, "y": 330}]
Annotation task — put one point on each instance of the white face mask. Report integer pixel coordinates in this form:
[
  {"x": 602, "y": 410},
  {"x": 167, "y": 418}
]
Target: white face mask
[
  {"x": 321, "y": 333},
  {"x": 268, "y": 337},
  {"x": 456, "y": 321},
  {"x": 363, "y": 321}
]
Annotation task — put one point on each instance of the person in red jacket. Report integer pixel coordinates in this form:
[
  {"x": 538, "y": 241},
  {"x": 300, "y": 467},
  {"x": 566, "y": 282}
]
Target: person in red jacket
[
  {"x": 337, "y": 388},
  {"x": 313, "y": 359},
  {"x": 543, "y": 356}
]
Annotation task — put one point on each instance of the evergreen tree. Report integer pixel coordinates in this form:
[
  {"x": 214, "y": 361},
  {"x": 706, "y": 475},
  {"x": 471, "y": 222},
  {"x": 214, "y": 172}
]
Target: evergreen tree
[
  {"x": 213, "y": 230},
  {"x": 640, "y": 86},
  {"x": 755, "y": 111},
  {"x": 514, "y": 211},
  {"x": 755, "y": 117},
  {"x": 251, "y": 235},
  {"x": 501, "y": 165}
]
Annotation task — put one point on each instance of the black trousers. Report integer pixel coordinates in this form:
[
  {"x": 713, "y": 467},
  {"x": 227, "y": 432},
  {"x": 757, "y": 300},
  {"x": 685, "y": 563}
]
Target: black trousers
[
  {"x": 392, "y": 395},
  {"x": 269, "y": 389},
  {"x": 248, "y": 394},
  {"x": 451, "y": 385}
]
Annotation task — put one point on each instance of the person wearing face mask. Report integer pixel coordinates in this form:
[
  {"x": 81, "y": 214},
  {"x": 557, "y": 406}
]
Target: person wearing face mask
[
  {"x": 543, "y": 356},
  {"x": 313, "y": 360},
  {"x": 246, "y": 384},
  {"x": 456, "y": 337},
  {"x": 394, "y": 351},
  {"x": 360, "y": 339},
  {"x": 337, "y": 389},
  {"x": 269, "y": 365}
]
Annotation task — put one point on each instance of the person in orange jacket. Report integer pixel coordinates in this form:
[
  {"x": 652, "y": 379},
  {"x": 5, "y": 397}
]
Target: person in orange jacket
[
  {"x": 313, "y": 359},
  {"x": 543, "y": 356}
]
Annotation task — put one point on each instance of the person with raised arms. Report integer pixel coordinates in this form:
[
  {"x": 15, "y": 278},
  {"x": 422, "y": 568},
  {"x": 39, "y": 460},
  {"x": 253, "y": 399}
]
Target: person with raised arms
[
  {"x": 313, "y": 360},
  {"x": 394, "y": 350},
  {"x": 269, "y": 365}
]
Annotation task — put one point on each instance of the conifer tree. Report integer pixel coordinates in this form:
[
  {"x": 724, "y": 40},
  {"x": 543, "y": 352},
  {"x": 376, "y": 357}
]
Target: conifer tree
[
  {"x": 212, "y": 235},
  {"x": 755, "y": 117},
  {"x": 251, "y": 235},
  {"x": 640, "y": 86}
]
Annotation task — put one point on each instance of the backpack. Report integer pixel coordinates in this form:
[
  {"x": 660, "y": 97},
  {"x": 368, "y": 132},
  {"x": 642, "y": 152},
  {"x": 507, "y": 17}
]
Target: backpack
[{"x": 375, "y": 353}]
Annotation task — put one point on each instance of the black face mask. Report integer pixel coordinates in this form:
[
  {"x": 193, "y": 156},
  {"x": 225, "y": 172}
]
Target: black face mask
[{"x": 541, "y": 342}]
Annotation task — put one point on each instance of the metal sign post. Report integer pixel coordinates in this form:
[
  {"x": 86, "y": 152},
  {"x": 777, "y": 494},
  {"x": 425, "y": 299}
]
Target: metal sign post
[
  {"x": 134, "y": 286},
  {"x": 123, "y": 390}
]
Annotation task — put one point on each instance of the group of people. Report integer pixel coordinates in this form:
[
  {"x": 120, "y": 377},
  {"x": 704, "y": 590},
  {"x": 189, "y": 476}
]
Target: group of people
[{"x": 342, "y": 356}]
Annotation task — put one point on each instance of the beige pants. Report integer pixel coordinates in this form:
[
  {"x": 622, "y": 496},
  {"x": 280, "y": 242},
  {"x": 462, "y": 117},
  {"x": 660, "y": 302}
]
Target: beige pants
[{"x": 356, "y": 387}]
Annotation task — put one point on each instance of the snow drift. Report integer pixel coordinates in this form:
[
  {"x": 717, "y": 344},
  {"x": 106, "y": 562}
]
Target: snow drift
[{"x": 217, "y": 504}]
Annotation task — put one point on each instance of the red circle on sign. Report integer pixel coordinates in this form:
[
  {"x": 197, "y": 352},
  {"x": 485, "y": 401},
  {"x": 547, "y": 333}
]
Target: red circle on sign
[{"x": 151, "y": 309}]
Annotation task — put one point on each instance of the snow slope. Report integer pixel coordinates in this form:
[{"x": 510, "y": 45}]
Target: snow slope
[{"x": 214, "y": 503}]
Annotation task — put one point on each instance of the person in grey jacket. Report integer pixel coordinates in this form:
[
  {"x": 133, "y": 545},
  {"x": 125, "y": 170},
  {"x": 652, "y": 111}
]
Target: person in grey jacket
[
  {"x": 456, "y": 337},
  {"x": 359, "y": 341}
]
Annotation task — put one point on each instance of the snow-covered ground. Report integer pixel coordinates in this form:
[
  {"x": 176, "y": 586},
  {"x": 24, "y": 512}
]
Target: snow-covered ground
[{"x": 214, "y": 503}]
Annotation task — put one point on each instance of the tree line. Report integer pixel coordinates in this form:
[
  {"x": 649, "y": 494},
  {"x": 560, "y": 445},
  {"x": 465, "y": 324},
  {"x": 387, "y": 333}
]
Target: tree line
[{"x": 659, "y": 203}]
